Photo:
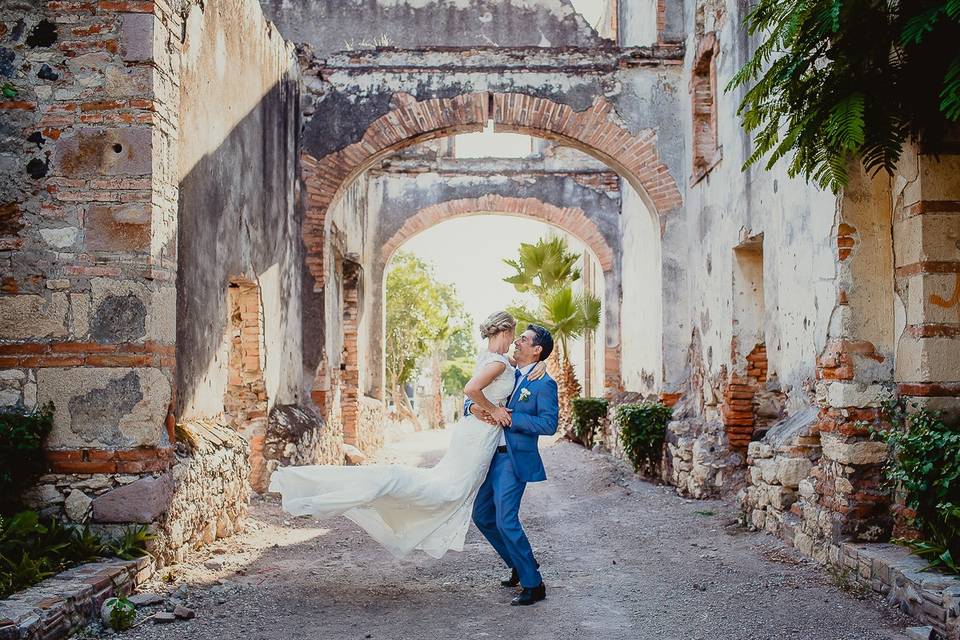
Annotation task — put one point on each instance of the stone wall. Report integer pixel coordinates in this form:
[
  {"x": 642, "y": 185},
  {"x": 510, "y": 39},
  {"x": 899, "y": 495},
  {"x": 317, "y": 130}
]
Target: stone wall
[
  {"x": 371, "y": 420},
  {"x": 131, "y": 149},
  {"x": 87, "y": 303},
  {"x": 208, "y": 491},
  {"x": 299, "y": 436}
]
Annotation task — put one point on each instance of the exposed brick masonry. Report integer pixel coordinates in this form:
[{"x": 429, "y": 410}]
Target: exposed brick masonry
[
  {"x": 245, "y": 400},
  {"x": 703, "y": 96},
  {"x": 738, "y": 409},
  {"x": 593, "y": 130}
]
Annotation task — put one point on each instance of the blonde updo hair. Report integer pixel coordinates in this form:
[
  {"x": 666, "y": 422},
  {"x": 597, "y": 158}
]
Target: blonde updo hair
[{"x": 497, "y": 322}]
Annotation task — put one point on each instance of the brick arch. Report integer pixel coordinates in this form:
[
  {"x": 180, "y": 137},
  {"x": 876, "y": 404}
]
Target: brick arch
[
  {"x": 570, "y": 219},
  {"x": 593, "y": 130}
]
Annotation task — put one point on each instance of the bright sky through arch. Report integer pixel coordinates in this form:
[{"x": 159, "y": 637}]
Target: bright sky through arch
[
  {"x": 469, "y": 253},
  {"x": 591, "y": 10}
]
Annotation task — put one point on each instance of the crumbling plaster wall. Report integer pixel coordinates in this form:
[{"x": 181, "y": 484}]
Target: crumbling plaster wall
[
  {"x": 351, "y": 222},
  {"x": 336, "y": 25},
  {"x": 729, "y": 206},
  {"x": 358, "y": 87},
  {"x": 239, "y": 126}
]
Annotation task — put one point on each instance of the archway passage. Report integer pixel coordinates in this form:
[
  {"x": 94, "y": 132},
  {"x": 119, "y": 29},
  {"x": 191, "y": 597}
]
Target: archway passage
[
  {"x": 593, "y": 130},
  {"x": 571, "y": 219}
]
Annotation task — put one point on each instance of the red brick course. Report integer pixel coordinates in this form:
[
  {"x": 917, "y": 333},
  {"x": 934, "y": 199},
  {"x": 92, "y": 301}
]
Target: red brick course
[
  {"x": 140, "y": 460},
  {"x": 32, "y": 355},
  {"x": 593, "y": 130}
]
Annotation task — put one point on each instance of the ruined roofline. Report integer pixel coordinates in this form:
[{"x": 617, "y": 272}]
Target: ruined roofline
[
  {"x": 483, "y": 59},
  {"x": 532, "y": 166}
]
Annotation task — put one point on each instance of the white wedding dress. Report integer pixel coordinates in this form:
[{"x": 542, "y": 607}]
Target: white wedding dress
[{"x": 402, "y": 507}]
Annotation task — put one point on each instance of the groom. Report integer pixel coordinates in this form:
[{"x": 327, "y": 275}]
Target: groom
[{"x": 534, "y": 410}]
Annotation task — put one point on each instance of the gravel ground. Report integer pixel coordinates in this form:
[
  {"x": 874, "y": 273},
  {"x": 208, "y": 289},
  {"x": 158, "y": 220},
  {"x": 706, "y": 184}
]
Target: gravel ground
[{"x": 622, "y": 559}]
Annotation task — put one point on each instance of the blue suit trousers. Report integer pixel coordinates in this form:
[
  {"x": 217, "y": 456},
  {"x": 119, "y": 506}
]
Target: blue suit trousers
[{"x": 496, "y": 512}]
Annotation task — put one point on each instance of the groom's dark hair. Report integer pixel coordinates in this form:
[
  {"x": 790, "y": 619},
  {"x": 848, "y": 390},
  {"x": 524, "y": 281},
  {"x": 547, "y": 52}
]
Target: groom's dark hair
[{"x": 542, "y": 339}]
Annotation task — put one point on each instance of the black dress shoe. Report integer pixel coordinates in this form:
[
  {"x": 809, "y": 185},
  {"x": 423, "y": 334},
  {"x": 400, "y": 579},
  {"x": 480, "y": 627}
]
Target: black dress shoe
[
  {"x": 529, "y": 596},
  {"x": 512, "y": 581}
]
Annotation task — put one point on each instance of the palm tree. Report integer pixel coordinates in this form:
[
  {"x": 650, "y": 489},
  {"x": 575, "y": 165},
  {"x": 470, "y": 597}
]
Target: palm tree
[
  {"x": 547, "y": 269},
  {"x": 544, "y": 267}
]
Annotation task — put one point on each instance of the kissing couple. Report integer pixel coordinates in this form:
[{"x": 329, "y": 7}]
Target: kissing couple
[{"x": 492, "y": 456}]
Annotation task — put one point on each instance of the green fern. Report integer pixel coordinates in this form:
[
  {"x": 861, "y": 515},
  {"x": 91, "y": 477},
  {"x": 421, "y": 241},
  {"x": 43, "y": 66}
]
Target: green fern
[
  {"x": 833, "y": 82},
  {"x": 950, "y": 95}
]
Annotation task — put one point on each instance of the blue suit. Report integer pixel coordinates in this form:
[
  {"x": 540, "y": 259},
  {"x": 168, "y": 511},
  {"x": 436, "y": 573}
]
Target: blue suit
[{"x": 496, "y": 511}]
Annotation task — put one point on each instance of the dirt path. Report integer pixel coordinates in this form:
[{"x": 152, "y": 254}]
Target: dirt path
[{"x": 622, "y": 559}]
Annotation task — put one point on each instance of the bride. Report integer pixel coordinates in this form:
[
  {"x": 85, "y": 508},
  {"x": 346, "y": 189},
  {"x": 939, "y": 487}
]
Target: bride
[{"x": 406, "y": 508}]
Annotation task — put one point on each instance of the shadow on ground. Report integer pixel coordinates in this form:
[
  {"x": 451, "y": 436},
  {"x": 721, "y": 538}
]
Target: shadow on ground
[{"x": 622, "y": 559}]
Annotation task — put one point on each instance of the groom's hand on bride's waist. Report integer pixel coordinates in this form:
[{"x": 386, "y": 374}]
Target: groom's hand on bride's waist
[{"x": 483, "y": 415}]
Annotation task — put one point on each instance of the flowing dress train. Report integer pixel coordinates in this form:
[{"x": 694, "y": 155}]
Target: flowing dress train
[{"x": 403, "y": 507}]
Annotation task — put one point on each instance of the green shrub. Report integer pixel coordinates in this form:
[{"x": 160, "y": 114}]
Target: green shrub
[
  {"x": 21, "y": 453},
  {"x": 33, "y": 548},
  {"x": 924, "y": 468},
  {"x": 588, "y": 416},
  {"x": 643, "y": 430}
]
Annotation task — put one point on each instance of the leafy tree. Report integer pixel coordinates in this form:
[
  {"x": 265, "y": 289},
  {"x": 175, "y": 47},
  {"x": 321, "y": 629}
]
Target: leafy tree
[
  {"x": 548, "y": 270},
  {"x": 422, "y": 315},
  {"x": 456, "y": 373},
  {"x": 837, "y": 80}
]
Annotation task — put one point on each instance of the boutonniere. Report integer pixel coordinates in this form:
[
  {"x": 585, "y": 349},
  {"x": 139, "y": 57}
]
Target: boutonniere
[{"x": 524, "y": 394}]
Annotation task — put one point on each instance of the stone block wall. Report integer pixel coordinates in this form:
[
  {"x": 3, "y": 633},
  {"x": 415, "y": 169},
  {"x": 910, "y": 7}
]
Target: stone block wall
[
  {"x": 299, "y": 436},
  {"x": 777, "y": 474},
  {"x": 208, "y": 491},
  {"x": 102, "y": 212},
  {"x": 87, "y": 244},
  {"x": 371, "y": 420}
]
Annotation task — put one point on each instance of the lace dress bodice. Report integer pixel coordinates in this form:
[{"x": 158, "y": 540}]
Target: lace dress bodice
[{"x": 498, "y": 391}]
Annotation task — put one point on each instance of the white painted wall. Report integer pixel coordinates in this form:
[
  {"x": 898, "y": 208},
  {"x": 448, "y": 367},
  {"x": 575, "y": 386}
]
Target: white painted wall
[
  {"x": 642, "y": 309},
  {"x": 796, "y": 220}
]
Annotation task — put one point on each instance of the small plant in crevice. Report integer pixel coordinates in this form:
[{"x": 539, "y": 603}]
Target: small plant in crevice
[
  {"x": 22, "y": 461},
  {"x": 132, "y": 543},
  {"x": 643, "y": 431},
  {"x": 121, "y": 613},
  {"x": 923, "y": 468},
  {"x": 588, "y": 417}
]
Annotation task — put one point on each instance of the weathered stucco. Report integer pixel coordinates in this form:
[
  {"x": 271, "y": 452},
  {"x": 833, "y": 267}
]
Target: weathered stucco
[
  {"x": 239, "y": 114},
  {"x": 336, "y": 25}
]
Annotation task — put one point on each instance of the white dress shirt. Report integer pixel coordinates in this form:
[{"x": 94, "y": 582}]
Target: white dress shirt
[{"x": 524, "y": 371}]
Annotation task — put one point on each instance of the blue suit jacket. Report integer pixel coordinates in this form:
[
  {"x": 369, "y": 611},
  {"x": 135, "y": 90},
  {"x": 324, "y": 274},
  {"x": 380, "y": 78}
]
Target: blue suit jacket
[{"x": 534, "y": 416}]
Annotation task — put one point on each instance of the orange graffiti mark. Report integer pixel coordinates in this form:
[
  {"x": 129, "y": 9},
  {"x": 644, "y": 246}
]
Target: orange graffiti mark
[{"x": 954, "y": 298}]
